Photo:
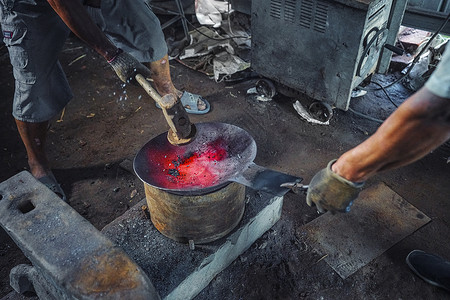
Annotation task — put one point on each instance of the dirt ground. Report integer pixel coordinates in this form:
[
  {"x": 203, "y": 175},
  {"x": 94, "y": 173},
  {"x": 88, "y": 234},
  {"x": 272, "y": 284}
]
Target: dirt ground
[{"x": 107, "y": 123}]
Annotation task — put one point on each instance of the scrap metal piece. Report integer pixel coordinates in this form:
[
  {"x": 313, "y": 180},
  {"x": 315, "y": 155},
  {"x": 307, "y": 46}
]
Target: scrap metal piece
[
  {"x": 379, "y": 219},
  {"x": 303, "y": 112},
  {"x": 263, "y": 179},
  {"x": 64, "y": 248}
]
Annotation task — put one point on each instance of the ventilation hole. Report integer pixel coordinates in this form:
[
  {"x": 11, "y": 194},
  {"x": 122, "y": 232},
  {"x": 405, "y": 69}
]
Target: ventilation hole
[
  {"x": 306, "y": 13},
  {"x": 321, "y": 16},
  {"x": 275, "y": 9},
  {"x": 1, "y": 196},
  {"x": 289, "y": 11},
  {"x": 26, "y": 207}
]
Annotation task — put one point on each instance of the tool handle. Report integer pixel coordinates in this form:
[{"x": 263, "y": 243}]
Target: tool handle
[
  {"x": 154, "y": 94},
  {"x": 394, "y": 49},
  {"x": 181, "y": 130},
  {"x": 148, "y": 88}
]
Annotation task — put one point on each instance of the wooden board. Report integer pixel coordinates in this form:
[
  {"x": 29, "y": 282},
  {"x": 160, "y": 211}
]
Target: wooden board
[{"x": 379, "y": 219}]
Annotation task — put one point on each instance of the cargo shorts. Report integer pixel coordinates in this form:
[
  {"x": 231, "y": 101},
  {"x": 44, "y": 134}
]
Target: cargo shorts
[
  {"x": 131, "y": 26},
  {"x": 35, "y": 35}
]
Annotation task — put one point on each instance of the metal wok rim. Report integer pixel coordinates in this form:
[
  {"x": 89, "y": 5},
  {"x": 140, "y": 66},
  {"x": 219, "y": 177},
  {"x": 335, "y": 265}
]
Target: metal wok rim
[{"x": 203, "y": 130}]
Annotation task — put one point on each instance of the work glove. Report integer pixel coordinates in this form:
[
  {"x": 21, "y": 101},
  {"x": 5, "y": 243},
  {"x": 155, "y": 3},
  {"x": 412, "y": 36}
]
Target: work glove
[
  {"x": 126, "y": 67},
  {"x": 329, "y": 191}
]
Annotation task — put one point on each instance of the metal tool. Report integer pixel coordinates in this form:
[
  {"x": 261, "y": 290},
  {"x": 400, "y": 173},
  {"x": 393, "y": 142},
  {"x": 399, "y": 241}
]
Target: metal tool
[
  {"x": 296, "y": 187},
  {"x": 220, "y": 153},
  {"x": 71, "y": 258},
  {"x": 181, "y": 131}
]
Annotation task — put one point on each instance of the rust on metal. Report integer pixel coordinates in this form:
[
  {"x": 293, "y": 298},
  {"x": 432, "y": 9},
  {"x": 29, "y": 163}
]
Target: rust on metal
[
  {"x": 108, "y": 273},
  {"x": 201, "y": 218},
  {"x": 145, "y": 212}
]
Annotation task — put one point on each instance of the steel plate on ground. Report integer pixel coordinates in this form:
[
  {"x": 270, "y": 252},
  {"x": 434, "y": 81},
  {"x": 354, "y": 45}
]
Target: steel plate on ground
[{"x": 379, "y": 219}]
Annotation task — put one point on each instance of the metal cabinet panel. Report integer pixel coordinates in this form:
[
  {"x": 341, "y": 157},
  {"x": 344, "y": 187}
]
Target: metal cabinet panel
[{"x": 321, "y": 48}]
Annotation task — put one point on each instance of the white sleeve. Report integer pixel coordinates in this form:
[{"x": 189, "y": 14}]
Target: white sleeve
[{"x": 439, "y": 82}]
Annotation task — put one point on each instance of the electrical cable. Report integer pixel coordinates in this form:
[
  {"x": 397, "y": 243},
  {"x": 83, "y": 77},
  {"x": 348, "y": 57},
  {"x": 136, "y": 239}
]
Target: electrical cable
[
  {"x": 228, "y": 18},
  {"x": 385, "y": 92},
  {"x": 365, "y": 116},
  {"x": 416, "y": 59}
]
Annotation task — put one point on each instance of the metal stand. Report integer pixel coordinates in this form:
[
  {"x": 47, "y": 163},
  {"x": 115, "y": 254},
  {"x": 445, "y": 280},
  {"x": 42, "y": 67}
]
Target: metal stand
[
  {"x": 178, "y": 15},
  {"x": 394, "y": 22}
]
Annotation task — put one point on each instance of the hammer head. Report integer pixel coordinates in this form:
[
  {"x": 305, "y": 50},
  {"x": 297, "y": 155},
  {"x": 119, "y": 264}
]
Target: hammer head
[{"x": 182, "y": 131}]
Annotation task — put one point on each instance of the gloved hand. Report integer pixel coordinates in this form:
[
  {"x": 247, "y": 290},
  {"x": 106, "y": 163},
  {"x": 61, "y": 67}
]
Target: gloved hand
[
  {"x": 126, "y": 66},
  {"x": 329, "y": 191}
]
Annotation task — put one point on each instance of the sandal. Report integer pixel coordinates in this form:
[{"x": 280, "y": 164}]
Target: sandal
[{"x": 190, "y": 103}]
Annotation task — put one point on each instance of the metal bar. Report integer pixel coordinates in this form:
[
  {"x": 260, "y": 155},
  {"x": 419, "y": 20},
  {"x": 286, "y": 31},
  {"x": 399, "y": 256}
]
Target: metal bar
[
  {"x": 73, "y": 257},
  {"x": 394, "y": 22},
  {"x": 178, "y": 16},
  {"x": 183, "y": 20}
]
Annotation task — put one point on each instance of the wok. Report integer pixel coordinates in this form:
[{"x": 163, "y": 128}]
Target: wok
[{"x": 221, "y": 153}]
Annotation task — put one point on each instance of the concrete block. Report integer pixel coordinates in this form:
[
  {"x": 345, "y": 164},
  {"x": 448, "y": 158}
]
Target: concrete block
[{"x": 177, "y": 271}]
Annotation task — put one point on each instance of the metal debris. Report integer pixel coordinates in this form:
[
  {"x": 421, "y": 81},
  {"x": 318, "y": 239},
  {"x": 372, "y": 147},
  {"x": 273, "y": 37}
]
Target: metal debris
[
  {"x": 305, "y": 114},
  {"x": 77, "y": 59}
]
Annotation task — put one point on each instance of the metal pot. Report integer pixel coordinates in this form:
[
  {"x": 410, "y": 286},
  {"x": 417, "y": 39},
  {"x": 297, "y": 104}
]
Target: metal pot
[
  {"x": 200, "y": 219},
  {"x": 196, "y": 191}
]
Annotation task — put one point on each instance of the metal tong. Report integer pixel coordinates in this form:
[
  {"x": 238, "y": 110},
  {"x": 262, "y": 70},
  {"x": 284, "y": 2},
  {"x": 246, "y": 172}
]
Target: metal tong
[{"x": 295, "y": 187}]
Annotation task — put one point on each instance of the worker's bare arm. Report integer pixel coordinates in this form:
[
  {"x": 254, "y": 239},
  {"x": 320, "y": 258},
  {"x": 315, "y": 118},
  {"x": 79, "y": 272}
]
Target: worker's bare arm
[
  {"x": 418, "y": 126},
  {"x": 77, "y": 19}
]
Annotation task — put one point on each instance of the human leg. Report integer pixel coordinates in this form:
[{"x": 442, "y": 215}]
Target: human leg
[
  {"x": 33, "y": 136},
  {"x": 140, "y": 34},
  {"x": 41, "y": 88},
  {"x": 162, "y": 80}
]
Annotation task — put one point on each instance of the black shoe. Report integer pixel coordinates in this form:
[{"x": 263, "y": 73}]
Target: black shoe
[{"x": 432, "y": 268}]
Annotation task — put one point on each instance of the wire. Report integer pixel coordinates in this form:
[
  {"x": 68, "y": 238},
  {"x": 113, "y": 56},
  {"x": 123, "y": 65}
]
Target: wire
[
  {"x": 416, "y": 59},
  {"x": 365, "y": 116},
  {"x": 402, "y": 77},
  {"x": 369, "y": 117},
  {"x": 228, "y": 17},
  {"x": 385, "y": 92}
]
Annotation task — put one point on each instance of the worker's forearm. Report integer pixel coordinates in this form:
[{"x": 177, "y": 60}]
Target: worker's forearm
[
  {"x": 77, "y": 19},
  {"x": 418, "y": 126}
]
